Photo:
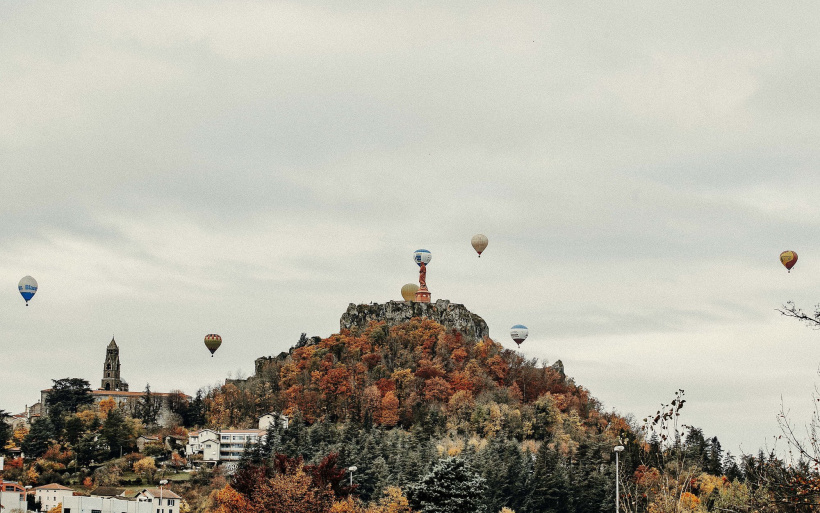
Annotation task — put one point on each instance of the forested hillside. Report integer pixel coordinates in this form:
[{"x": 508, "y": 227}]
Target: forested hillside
[
  {"x": 432, "y": 421},
  {"x": 419, "y": 410}
]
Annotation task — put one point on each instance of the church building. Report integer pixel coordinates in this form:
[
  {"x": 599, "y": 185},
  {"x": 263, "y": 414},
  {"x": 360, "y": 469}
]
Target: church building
[
  {"x": 113, "y": 387},
  {"x": 111, "y": 373}
]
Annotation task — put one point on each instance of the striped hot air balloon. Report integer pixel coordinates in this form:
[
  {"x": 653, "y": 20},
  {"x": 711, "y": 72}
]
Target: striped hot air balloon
[
  {"x": 422, "y": 256},
  {"x": 519, "y": 333},
  {"x": 212, "y": 342}
]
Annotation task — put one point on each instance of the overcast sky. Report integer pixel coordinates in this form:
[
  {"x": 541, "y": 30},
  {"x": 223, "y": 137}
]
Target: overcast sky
[{"x": 173, "y": 169}]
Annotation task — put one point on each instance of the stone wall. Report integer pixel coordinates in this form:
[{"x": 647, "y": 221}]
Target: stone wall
[{"x": 450, "y": 315}]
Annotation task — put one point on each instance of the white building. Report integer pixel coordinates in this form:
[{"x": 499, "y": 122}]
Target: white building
[
  {"x": 162, "y": 501},
  {"x": 268, "y": 419},
  {"x": 205, "y": 442},
  {"x": 83, "y": 504},
  {"x": 12, "y": 496},
  {"x": 51, "y": 495},
  {"x": 229, "y": 444},
  {"x": 232, "y": 442}
]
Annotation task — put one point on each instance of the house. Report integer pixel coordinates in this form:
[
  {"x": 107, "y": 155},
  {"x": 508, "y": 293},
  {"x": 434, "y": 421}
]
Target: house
[
  {"x": 232, "y": 442},
  {"x": 143, "y": 440},
  {"x": 51, "y": 495},
  {"x": 12, "y": 496},
  {"x": 229, "y": 444},
  {"x": 83, "y": 504},
  {"x": 108, "y": 491},
  {"x": 162, "y": 500},
  {"x": 269, "y": 419},
  {"x": 205, "y": 442}
]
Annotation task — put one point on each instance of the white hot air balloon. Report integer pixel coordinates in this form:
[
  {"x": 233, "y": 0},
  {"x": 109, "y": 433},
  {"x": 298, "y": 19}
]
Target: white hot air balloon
[
  {"x": 479, "y": 243},
  {"x": 27, "y": 288},
  {"x": 519, "y": 333},
  {"x": 422, "y": 256}
]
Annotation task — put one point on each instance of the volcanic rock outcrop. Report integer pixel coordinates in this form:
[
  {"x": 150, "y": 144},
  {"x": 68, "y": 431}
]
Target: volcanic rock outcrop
[{"x": 450, "y": 315}]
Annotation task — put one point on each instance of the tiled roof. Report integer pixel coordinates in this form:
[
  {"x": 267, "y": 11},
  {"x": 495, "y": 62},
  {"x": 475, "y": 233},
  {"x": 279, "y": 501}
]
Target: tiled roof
[
  {"x": 107, "y": 491},
  {"x": 155, "y": 492},
  {"x": 53, "y": 486}
]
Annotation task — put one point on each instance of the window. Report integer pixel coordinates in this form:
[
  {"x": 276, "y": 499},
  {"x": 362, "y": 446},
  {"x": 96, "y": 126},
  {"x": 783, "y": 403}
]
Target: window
[
  {"x": 170, "y": 502},
  {"x": 96, "y": 511},
  {"x": 66, "y": 510}
]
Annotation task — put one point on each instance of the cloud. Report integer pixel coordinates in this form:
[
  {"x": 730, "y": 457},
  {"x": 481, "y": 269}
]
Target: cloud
[{"x": 175, "y": 169}]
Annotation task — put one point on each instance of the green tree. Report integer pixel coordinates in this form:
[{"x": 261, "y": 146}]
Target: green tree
[
  {"x": 90, "y": 448},
  {"x": 450, "y": 487},
  {"x": 39, "y": 438},
  {"x": 503, "y": 467},
  {"x": 548, "y": 484},
  {"x": 73, "y": 429},
  {"x": 149, "y": 406},
  {"x": 67, "y": 395},
  {"x": 116, "y": 433},
  {"x": 5, "y": 429}
]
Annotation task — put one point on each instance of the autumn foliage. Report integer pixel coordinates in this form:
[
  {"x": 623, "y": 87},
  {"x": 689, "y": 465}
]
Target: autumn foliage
[{"x": 395, "y": 377}]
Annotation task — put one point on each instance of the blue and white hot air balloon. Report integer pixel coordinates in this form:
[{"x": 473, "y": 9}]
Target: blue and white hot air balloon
[
  {"x": 519, "y": 333},
  {"x": 27, "y": 288},
  {"x": 422, "y": 256}
]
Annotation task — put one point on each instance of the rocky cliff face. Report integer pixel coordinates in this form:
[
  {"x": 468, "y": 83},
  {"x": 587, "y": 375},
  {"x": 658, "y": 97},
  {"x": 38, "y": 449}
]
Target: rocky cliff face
[{"x": 450, "y": 315}]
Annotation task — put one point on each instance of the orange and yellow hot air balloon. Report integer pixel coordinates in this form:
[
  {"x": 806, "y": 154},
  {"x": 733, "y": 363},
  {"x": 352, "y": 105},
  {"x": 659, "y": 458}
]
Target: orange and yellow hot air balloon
[{"x": 788, "y": 259}]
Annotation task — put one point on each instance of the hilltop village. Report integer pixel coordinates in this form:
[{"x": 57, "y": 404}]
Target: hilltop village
[{"x": 409, "y": 404}]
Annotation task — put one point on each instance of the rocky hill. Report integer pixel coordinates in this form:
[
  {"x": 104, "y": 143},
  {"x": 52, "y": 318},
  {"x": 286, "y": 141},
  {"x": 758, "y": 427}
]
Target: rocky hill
[{"x": 452, "y": 316}]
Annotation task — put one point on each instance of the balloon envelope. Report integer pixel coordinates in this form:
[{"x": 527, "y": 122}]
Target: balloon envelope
[
  {"x": 788, "y": 259},
  {"x": 479, "y": 243},
  {"x": 408, "y": 292},
  {"x": 27, "y": 288},
  {"x": 422, "y": 256},
  {"x": 212, "y": 342},
  {"x": 519, "y": 333}
]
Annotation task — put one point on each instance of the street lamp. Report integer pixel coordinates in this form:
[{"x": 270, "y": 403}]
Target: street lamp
[
  {"x": 351, "y": 470},
  {"x": 162, "y": 483},
  {"x": 617, "y": 450}
]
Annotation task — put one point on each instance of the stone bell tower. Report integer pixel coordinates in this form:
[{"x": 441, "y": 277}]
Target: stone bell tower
[{"x": 111, "y": 369}]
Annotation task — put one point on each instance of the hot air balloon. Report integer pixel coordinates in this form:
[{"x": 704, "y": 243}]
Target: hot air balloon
[
  {"x": 519, "y": 333},
  {"x": 479, "y": 243},
  {"x": 27, "y": 288},
  {"x": 408, "y": 292},
  {"x": 788, "y": 259},
  {"x": 422, "y": 256},
  {"x": 212, "y": 342}
]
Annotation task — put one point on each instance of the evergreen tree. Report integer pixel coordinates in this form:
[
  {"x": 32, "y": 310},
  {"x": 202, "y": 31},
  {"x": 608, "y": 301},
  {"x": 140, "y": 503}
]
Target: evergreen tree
[
  {"x": 195, "y": 414},
  {"x": 589, "y": 488},
  {"x": 450, "y": 487},
  {"x": 148, "y": 407},
  {"x": 39, "y": 438},
  {"x": 90, "y": 448},
  {"x": 714, "y": 457},
  {"x": 66, "y": 396},
  {"x": 74, "y": 429},
  {"x": 503, "y": 468},
  {"x": 295, "y": 441},
  {"x": 115, "y": 432},
  {"x": 731, "y": 469},
  {"x": 5, "y": 429},
  {"x": 547, "y": 488}
]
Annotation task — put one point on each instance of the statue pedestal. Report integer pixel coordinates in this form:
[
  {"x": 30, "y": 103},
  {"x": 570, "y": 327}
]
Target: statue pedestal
[{"x": 423, "y": 296}]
